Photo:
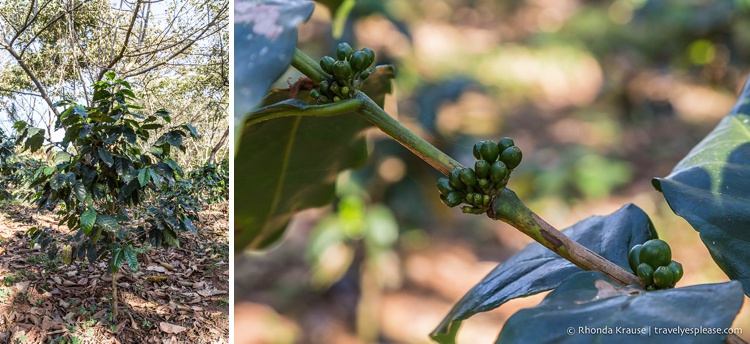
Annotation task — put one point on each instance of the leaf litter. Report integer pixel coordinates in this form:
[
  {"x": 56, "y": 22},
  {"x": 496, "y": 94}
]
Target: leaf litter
[{"x": 178, "y": 295}]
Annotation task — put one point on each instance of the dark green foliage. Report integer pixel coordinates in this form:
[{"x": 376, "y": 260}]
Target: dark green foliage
[
  {"x": 104, "y": 165},
  {"x": 211, "y": 182}
]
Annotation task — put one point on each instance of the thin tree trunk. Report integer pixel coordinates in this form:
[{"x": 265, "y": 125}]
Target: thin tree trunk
[{"x": 218, "y": 145}]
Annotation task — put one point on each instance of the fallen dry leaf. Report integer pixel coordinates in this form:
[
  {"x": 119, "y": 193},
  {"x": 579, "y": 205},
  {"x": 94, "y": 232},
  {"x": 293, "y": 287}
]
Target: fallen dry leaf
[{"x": 171, "y": 328}]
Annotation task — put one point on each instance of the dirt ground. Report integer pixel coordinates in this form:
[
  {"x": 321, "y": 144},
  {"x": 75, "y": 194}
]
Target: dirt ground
[{"x": 178, "y": 295}]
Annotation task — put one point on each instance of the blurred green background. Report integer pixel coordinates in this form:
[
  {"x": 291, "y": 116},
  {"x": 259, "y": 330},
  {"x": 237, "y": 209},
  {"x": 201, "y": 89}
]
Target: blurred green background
[{"x": 600, "y": 95}]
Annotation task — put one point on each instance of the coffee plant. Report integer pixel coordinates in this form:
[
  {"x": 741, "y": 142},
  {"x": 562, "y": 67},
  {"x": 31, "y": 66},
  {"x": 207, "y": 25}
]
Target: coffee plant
[
  {"x": 15, "y": 170},
  {"x": 211, "y": 182},
  {"x": 604, "y": 272},
  {"x": 108, "y": 163}
]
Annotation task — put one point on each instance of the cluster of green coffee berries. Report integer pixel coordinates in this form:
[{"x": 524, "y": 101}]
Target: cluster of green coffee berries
[
  {"x": 478, "y": 186},
  {"x": 348, "y": 73},
  {"x": 652, "y": 262}
]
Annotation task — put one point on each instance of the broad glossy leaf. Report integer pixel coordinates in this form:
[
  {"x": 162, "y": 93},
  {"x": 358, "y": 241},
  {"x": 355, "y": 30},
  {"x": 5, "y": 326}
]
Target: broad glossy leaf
[
  {"x": 130, "y": 257},
  {"x": 106, "y": 156},
  {"x": 536, "y": 269},
  {"x": 590, "y": 308},
  {"x": 265, "y": 38},
  {"x": 88, "y": 218},
  {"x": 116, "y": 262},
  {"x": 108, "y": 222},
  {"x": 288, "y": 164},
  {"x": 710, "y": 188},
  {"x": 144, "y": 176}
]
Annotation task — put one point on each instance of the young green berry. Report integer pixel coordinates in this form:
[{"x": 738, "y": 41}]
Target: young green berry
[
  {"x": 485, "y": 200},
  {"x": 663, "y": 277},
  {"x": 655, "y": 252},
  {"x": 504, "y": 143},
  {"x": 323, "y": 100},
  {"x": 359, "y": 60},
  {"x": 645, "y": 273},
  {"x": 478, "y": 199},
  {"x": 364, "y": 75},
  {"x": 335, "y": 88},
  {"x": 483, "y": 183},
  {"x": 343, "y": 51},
  {"x": 315, "y": 94},
  {"x": 633, "y": 257},
  {"x": 345, "y": 91},
  {"x": 676, "y": 271},
  {"x": 324, "y": 85},
  {"x": 482, "y": 168},
  {"x": 342, "y": 70},
  {"x": 455, "y": 179},
  {"x": 444, "y": 186},
  {"x": 511, "y": 156},
  {"x": 369, "y": 56},
  {"x": 452, "y": 199},
  {"x": 469, "y": 198},
  {"x": 468, "y": 176},
  {"x": 336, "y": 98},
  {"x": 498, "y": 171},
  {"x": 489, "y": 151},
  {"x": 327, "y": 64},
  {"x": 477, "y": 150}
]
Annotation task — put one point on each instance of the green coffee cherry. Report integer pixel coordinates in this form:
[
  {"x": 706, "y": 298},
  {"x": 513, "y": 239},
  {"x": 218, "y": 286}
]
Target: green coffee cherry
[
  {"x": 485, "y": 200},
  {"x": 452, "y": 199},
  {"x": 645, "y": 273},
  {"x": 343, "y": 51},
  {"x": 482, "y": 168},
  {"x": 324, "y": 86},
  {"x": 359, "y": 60},
  {"x": 324, "y": 99},
  {"x": 364, "y": 75},
  {"x": 477, "y": 150},
  {"x": 369, "y": 56},
  {"x": 478, "y": 199},
  {"x": 335, "y": 88},
  {"x": 455, "y": 179},
  {"x": 633, "y": 257},
  {"x": 444, "y": 186},
  {"x": 511, "y": 156},
  {"x": 655, "y": 252},
  {"x": 489, "y": 151},
  {"x": 504, "y": 143},
  {"x": 676, "y": 271},
  {"x": 336, "y": 98},
  {"x": 342, "y": 70},
  {"x": 315, "y": 94},
  {"x": 469, "y": 198},
  {"x": 344, "y": 91},
  {"x": 663, "y": 277},
  {"x": 498, "y": 171},
  {"x": 484, "y": 184},
  {"x": 327, "y": 64},
  {"x": 468, "y": 176}
]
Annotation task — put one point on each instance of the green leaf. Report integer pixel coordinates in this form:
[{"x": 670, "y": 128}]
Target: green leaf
[
  {"x": 108, "y": 222},
  {"x": 106, "y": 156},
  {"x": 88, "y": 218},
  {"x": 266, "y": 48},
  {"x": 131, "y": 257},
  {"x": 589, "y": 301},
  {"x": 288, "y": 164},
  {"x": 61, "y": 157},
  {"x": 80, "y": 191},
  {"x": 191, "y": 129},
  {"x": 156, "y": 178},
  {"x": 117, "y": 258},
  {"x": 170, "y": 238},
  {"x": 536, "y": 268},
  {"x": 710, "y": 188},
  {"x": 144, "y": 176},
  {"x": 80, "y": 110}
]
